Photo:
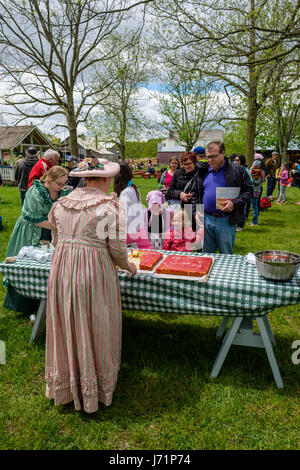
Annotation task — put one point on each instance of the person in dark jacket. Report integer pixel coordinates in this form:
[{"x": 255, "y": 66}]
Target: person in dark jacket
[
  {"x": 72, "y": 164},
  {"x": 23, "y": 170},
  {"x": 220, "y": 224},
  {"x": 177, "y": 195}
]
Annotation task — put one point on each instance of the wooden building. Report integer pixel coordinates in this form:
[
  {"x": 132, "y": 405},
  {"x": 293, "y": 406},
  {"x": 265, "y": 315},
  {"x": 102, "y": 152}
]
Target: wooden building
[
  {"x": 168, "y": 148},
  {"x": 13, "y": 142},
  {"x": 86, "y": 149}
]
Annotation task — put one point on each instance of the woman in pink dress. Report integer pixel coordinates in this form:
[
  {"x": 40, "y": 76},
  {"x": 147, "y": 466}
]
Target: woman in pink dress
[
  {"x": 165, "y": 179},
  {"x": 84, "y": 317}
]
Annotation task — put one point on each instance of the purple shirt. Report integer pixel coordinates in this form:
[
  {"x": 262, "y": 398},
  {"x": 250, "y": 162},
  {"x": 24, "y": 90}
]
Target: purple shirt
[{"x": 213, "y": 180}]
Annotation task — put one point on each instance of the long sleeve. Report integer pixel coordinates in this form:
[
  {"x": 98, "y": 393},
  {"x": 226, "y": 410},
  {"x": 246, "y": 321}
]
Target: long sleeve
[
  {"x": 246, "y": 191},
  {"x": 52, "y": 221},
  {"x": 117, "y": 236},
  {"x": 34, "y": 208}
]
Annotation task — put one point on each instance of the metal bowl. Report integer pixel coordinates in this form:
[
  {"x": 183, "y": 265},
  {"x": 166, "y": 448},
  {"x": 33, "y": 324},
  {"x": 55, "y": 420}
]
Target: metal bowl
[{"x": 277, "y": 265}]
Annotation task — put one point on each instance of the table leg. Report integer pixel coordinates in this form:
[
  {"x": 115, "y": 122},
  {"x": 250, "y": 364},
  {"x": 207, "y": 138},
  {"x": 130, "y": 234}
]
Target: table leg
[
  {"x": 230, "y": 335},
  {"x": 269, "y": 330},
  {"x": 222, "y": 327},
  {"x": 41, "y": 315},
  {"x": 265, "y": 336}
]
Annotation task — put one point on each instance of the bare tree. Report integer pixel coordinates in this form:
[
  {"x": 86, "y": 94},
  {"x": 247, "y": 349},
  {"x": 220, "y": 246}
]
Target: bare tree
[
  {"x": 235, "y": 43},
  {"x": 47, "y": 51},
  {"x": 189, "y": 104},
  {"x": 120, "y": 117}
]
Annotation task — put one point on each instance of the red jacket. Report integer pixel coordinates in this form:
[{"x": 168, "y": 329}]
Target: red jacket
[
  {"x": 264, "y": 203},
  {"x": 38, "y": 170}
]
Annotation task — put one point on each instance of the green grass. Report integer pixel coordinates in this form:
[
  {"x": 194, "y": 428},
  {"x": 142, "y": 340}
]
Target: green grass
[{"x": 165, "y": 398}]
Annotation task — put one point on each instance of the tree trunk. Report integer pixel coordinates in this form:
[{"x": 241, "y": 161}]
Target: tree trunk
[
  {"x": 252, "y": 97},
  {"x": 73, "y": 135},
  {"x": 251, "y": 126},
  {"x": 122, "y": 151}
]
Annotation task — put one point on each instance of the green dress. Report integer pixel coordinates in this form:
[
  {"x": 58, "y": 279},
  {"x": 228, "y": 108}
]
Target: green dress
[{"x": 36, "y": 207}]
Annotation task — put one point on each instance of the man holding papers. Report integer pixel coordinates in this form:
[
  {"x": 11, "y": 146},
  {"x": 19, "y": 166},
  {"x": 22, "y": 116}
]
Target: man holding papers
[{"x": 223, "y": 188}]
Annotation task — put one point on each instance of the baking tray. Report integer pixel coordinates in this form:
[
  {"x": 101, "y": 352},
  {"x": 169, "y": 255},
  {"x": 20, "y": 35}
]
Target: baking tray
[{"x": 184, "y": 278}]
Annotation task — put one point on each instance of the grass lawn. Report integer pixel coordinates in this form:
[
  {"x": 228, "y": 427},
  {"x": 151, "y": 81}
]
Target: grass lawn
[{"x": 165, "y": 398}]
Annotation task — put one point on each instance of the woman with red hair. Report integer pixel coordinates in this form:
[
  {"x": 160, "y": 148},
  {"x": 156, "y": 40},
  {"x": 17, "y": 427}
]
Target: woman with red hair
[{"x": 179, "y": 192}]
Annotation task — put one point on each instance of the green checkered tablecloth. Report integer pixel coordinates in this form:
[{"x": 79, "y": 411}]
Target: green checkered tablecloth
[{"x": 234, "y": 288}]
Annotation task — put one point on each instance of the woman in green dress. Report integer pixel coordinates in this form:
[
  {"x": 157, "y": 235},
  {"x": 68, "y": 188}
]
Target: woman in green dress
[{"x": 33, "y": 225}]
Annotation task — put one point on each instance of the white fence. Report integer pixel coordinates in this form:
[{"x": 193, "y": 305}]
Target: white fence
[{"x": 7, "y": 173}]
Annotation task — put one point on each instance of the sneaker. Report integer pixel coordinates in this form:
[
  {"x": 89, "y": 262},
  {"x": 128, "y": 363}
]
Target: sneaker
[
  {"x": 252, "y": 224},
  {"x": 239, "y": 229},
  {"x": 277, "y": 202}
]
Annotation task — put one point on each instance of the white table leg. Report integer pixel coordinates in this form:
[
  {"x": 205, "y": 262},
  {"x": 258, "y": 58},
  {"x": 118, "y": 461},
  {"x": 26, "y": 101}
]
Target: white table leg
[
  {"x": 230, "y": 335},
  {"x": 222, "y": 327},
  {"x": 265, "y": 336},
  {"x": 40, "y": 318},
  {"x": 268, "y": 328}
]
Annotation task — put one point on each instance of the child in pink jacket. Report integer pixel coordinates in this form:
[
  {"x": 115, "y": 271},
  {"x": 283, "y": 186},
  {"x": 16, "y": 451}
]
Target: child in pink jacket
[
  {"x": 283, "y": 181},
  {"x": 182, "y": 237}
]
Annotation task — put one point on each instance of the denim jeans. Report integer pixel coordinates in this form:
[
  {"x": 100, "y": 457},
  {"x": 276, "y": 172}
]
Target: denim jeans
[
  {"x": 22, "y": 196},
  {"x": 218, "y": 234},
  {"x": 271, "y": 185},
  {"x": 254, "y": 203},
  {"x": 282, "y": 194}
]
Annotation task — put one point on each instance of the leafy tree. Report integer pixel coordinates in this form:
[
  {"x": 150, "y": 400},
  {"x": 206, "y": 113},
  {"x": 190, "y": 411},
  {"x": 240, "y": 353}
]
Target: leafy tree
[
  {"x": 119, "y": 117},
  {"x": 242, "y": 44},
  {"x": 188, "y": 104},
  {"x": 150, "y": 149},
  {"x": 235, "y": 137}
]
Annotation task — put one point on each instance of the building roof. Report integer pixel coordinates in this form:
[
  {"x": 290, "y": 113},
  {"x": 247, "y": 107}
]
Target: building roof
[
  {"x": 171, "y": 143},
  {"x": 12, "y": 136},
  {"x": 87, "y": 145}
]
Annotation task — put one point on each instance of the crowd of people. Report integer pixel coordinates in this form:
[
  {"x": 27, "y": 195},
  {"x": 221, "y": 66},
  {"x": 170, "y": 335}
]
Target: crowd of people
[{"x": 91, "y": 230}]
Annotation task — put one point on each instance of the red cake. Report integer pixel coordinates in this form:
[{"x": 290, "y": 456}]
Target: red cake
[
  {"x": 184, "y": 265},
  {"x": 148, "y": 259}
]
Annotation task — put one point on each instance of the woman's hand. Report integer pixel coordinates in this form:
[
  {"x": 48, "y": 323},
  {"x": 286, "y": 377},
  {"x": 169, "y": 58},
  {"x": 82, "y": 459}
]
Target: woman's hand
[
  {"x": 44, "y": 224},
  {"x": 185, "y": 197},
  {"x": 132, "y": 268}
]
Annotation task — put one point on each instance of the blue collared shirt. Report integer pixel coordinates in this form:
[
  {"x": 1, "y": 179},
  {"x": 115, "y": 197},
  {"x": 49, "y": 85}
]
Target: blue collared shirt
[{"x": 213, "y": 179}]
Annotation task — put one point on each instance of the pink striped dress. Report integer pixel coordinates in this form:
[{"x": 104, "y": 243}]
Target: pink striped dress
[{"x": 84, "y": 316}]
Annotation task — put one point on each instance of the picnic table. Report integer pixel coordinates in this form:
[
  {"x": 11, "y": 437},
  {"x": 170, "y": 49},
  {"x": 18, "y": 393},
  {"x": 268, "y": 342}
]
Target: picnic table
[
  {"x": 234, "y": 290},
  {"x": 145, "y": 174}
]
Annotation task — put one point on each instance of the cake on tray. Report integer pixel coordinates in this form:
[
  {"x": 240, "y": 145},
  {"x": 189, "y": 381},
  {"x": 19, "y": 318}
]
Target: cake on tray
[
  {"x": 185, "y": 265},
  {"x": 147, "y": 259}
]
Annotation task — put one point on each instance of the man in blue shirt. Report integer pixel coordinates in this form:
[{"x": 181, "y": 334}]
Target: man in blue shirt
[{"x": 220, "y": 224}]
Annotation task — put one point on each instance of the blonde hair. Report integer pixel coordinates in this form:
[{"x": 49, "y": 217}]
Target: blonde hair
[{"x": 53, "y": 174}]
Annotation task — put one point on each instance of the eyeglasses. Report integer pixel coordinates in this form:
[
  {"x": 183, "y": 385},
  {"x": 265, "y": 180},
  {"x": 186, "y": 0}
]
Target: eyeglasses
[
  {"x": 61, "y": 185},
  {"x": 211, "y": 157},
  {"x": 187, "y": 164},
  {"x": 237, "y": 160}
]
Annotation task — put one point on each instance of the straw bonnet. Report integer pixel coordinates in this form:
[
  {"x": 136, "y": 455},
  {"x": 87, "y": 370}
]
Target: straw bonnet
[{"x": 102, "y": 169}]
